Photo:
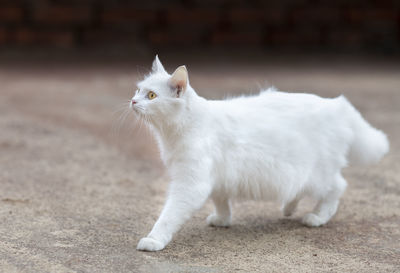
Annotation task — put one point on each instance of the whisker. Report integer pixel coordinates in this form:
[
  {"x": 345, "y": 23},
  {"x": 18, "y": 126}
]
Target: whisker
[{"x": 118, "y": 122}]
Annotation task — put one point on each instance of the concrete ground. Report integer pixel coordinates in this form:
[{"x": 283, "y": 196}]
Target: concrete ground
[{"x": 79, "y": 186}]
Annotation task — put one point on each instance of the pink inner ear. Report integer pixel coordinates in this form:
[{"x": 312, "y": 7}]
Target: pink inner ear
[
  {"x": 180, "y": 84},
  {"x": 177, "y": 85},
  {"x": 176, "y": 82},
  {"x": 179, "y": 80}
]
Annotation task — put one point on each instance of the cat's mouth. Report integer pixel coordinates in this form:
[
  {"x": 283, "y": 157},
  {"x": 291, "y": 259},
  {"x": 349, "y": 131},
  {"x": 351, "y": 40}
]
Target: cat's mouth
[{"x": 138, "y": 109}]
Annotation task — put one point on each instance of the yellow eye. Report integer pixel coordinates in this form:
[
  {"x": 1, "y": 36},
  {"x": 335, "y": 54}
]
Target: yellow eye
[{"x": 151, "y": 95}]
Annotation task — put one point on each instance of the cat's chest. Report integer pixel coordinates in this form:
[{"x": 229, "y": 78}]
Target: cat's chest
[
  {"x": 172, "y": 153},
  {"x": 182, "y": 152}
]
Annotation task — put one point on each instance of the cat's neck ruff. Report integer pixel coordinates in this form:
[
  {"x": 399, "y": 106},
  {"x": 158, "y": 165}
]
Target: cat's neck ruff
[{"x": 172, "y": 128}]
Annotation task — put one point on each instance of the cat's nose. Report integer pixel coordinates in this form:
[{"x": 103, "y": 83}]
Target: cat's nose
[{"x": 133, "y": 102}]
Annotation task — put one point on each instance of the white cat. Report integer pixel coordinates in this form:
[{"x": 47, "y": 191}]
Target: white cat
[{"x": 275, "y": 145}]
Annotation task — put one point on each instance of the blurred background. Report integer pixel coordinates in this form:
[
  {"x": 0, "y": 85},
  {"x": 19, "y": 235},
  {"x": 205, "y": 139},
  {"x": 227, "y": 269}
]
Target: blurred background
[
  {"x": 368, "y": 26},
  {"x": 81, "y": 181}
]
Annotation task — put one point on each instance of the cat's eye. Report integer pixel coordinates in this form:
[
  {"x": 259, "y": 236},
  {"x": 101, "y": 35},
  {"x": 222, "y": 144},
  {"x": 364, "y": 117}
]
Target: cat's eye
[{"x": 151, "y": 95}]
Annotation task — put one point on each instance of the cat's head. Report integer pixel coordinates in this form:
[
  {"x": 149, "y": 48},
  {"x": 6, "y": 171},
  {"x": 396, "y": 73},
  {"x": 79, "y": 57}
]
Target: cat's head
[{"x": 160, "y": 95}]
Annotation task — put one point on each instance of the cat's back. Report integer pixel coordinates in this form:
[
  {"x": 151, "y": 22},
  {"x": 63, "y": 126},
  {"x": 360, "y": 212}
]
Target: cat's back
[
  {"x": 271, "y": 105},
  {"x": 277, "y": 116}
]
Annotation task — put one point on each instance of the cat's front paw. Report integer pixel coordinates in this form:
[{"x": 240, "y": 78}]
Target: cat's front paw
[
  {"x": 149, "y": 244},
  {"x": 312, "y": 220},
  {"x": 218, "y": 221}
]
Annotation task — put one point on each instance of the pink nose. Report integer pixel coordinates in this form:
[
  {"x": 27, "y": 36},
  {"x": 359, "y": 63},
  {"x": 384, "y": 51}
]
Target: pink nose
[{"x": 133, "y": 102}]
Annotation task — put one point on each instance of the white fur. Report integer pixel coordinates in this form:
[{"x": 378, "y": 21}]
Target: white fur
[{"x": 275, "y": 146}]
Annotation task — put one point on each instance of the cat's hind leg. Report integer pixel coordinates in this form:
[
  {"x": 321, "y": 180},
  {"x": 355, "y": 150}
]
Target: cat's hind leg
[
  {"x": 327, "y": 205},
  {"x": 222, "y": 214}
]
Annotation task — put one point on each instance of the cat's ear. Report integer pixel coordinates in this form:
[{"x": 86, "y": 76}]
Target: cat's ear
[
  {"x": 157, "y": 66},
  {"x": 179, "y": 80}
]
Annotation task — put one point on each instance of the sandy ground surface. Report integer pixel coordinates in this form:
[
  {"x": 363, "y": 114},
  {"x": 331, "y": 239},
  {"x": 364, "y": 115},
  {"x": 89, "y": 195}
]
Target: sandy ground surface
[{"x": 79, "y": 187}]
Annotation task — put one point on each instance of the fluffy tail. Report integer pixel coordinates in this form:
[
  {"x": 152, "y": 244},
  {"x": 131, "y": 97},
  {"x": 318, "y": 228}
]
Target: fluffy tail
[{"x": 369, "y": 144}]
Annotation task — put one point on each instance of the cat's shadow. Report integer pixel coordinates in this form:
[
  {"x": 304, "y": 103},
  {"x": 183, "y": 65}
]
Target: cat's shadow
[{"x": 240, "y": 234}]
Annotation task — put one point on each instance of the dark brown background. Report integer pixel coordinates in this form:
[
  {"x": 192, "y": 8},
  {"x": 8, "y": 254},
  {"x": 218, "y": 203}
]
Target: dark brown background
[{"x": 355, "y": 26}]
